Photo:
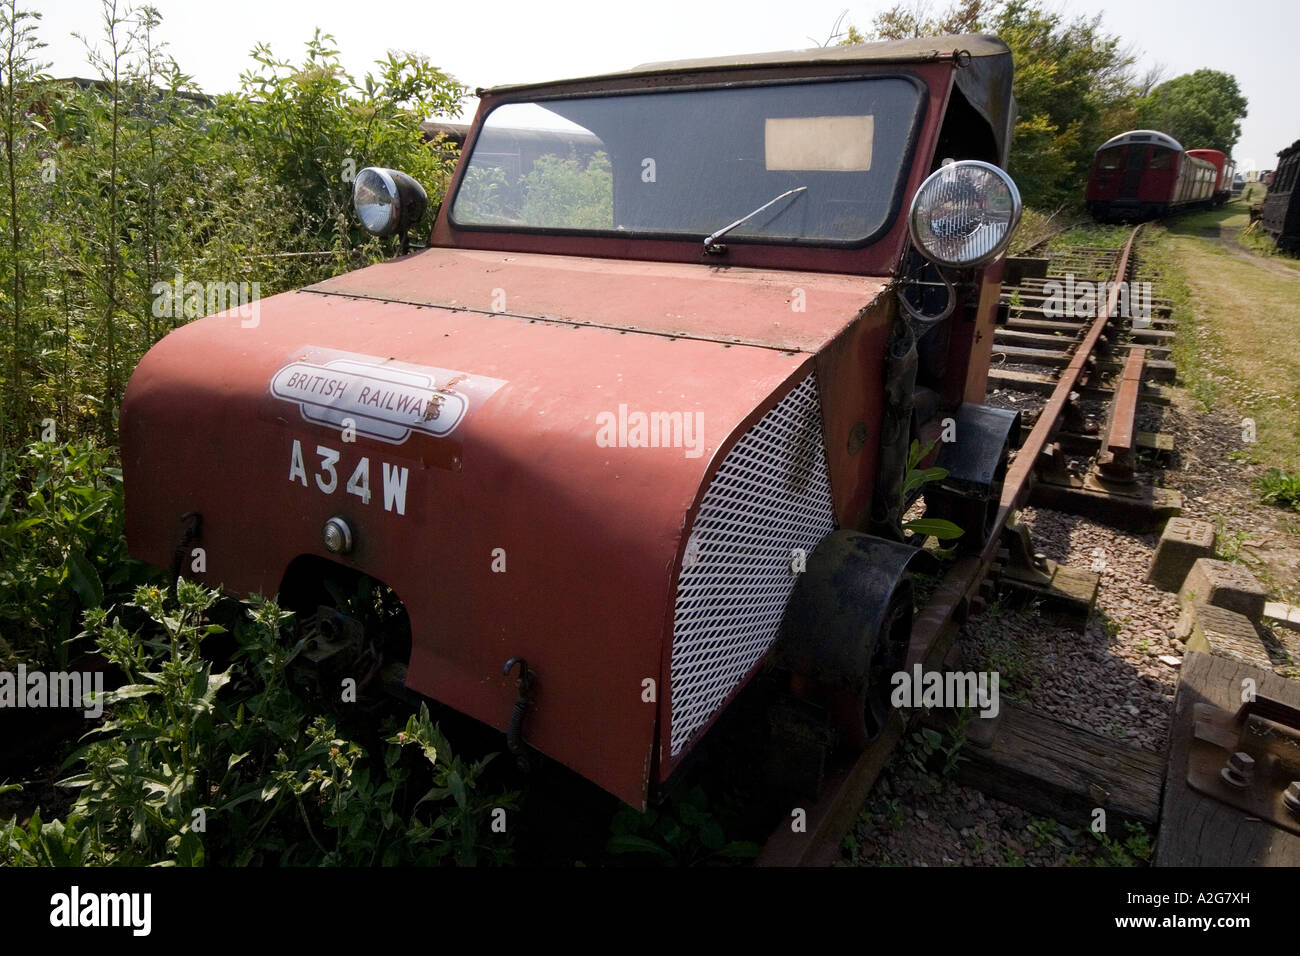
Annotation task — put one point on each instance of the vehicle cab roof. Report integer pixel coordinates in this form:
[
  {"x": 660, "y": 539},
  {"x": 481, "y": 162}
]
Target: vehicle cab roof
[
  {"x": 984, "y": 73},
  {"x": 1150, "y": 137}
]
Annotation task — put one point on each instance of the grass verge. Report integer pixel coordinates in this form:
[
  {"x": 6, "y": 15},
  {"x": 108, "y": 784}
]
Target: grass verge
[{"x": 1236, "y": 341}]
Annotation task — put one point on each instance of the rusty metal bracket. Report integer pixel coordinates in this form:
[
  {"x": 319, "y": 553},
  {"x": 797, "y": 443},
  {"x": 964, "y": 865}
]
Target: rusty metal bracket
[
  {"x": 1249, "y": 760},
  {"x": 1073, "y": 419},
  {"x": 1053, "y": 467},
  {"x": 515, "y": 732},
  {"x": 1023, "y": 563}
]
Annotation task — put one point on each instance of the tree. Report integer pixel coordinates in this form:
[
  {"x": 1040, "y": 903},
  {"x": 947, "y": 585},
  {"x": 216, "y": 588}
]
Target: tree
[
  {"x": 563, "y": 193},
  {"x": 903, "y": 21},
  {"x": 1074, "y": 83},
  {"x": 311, "y": 126},
  {"x": 1200, "y": 110},
  {"x": 19, "y": 90},
  {"x": 113, "y": 187}
]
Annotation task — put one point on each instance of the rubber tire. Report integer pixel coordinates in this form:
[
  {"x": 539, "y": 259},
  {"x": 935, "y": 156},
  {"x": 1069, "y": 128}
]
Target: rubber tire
[{"x": 859, "y": 716}]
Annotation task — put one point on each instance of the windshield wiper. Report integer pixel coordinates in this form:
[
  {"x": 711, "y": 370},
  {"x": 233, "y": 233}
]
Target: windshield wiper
[{"x": 711, "y": 246}]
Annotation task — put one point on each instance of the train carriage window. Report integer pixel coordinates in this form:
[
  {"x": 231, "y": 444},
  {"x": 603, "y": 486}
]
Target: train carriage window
[
  {"x": 1160, "y": 159},
  {"x": 1111, "y": 158}
]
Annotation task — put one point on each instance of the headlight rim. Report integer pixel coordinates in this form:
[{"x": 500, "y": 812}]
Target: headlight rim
[
  {"x": 1017, "y": 206},
  {"x": 394, "y": 194}
]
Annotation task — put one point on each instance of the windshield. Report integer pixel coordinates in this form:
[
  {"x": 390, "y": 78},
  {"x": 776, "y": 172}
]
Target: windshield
[{"x": 687, "y": 163}]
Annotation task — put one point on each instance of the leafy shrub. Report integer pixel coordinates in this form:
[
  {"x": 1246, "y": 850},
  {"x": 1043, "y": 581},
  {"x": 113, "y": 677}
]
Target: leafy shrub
[
  {"x": 916, "y": 479},
  {"x": 140, "y": 180},
  {"x": 62, "y": 547},
  {"x": 1134, "y": 849},
  {"x": 682, "y": 832},
  {"x": 198, "y": 766}
]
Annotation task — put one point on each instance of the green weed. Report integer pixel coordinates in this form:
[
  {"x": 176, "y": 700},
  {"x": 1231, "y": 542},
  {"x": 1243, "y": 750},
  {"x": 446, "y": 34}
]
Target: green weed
[
  {"x": 61, "y": 534},
  {"x": 1134, "y": 849},
  {"x": 196, "y": 765},
  {"x": 682, "y": 832},
  {"x": 1281, "y": 488}
]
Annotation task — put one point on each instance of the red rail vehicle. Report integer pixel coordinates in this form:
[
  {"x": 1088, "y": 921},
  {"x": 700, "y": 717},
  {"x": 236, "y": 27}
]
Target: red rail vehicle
[
  {"x": 1224, "y": 172},
  {"x": 637, "y": 420},
  {"x": 1145, "y": 174}
]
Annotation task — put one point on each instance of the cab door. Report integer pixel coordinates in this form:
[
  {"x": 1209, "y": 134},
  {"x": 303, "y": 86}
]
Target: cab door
[{"x": 1134, "y": 165}]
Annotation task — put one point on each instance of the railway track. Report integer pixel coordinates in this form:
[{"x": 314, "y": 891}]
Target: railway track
[{"x": 1081, "y": 377}]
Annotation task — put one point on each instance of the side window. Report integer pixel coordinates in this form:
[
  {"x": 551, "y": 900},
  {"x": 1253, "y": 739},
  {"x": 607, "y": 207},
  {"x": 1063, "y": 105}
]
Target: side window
[
  {"x": 534, "y": 168},
  {"x": 1111, "y": 158}
]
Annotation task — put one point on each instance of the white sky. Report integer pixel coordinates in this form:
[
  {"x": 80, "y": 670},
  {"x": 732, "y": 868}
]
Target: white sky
[{"x": 506, "y": 41}]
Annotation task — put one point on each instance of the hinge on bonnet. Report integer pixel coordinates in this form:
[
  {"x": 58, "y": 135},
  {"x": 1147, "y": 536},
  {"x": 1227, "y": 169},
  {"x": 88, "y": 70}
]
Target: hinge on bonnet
[{"x": 515, "y": 733}]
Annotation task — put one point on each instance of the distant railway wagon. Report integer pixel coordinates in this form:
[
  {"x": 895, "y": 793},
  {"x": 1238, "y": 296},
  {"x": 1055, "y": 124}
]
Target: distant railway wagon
[
  {"x": 1145, "y": 174},
  {"x": 1224, "y": 171},
  {"x": 1281, "y": 213}
]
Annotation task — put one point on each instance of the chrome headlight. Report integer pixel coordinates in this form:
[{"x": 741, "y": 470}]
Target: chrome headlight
[
  {"x": 964, "y": 213},
  {"x": 387, "y": 201}
]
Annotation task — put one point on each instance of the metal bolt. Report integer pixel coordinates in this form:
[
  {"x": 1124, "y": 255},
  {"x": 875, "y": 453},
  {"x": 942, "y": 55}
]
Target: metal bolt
[
  {"x": 1291, "y": 797},
  {"x": 1239, "y": 772}
]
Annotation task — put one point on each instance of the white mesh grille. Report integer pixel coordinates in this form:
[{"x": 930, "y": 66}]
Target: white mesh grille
[{"x": 771, "y": 495}]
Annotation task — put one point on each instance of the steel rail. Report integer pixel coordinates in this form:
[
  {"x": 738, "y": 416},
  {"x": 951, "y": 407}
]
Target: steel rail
[
  {"x": 811, "y": 836},
  {"x": 1018, "y": 484},
  {"x": 1119, "y": 448}
]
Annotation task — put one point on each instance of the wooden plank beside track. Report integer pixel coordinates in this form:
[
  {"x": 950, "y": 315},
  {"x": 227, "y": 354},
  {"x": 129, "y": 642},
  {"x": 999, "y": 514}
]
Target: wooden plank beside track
[
  {"x": 1064, "y": 772},
  {"x": 1196, "y": 830}
]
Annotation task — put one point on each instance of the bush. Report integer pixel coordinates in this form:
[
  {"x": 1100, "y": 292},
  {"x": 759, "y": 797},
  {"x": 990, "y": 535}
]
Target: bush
[
  {"x": 126, "y": 185},
  {"x": 197, "y": 765},
  {"x": 62, "y": 546},
  {"x": 682, "y": 832}
]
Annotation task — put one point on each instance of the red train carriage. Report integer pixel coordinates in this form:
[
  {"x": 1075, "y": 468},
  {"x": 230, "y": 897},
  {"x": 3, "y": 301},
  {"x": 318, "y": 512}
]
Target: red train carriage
[
  {"x": 1224, "y": 170},
  {"x": 1145, "y": 174}
]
